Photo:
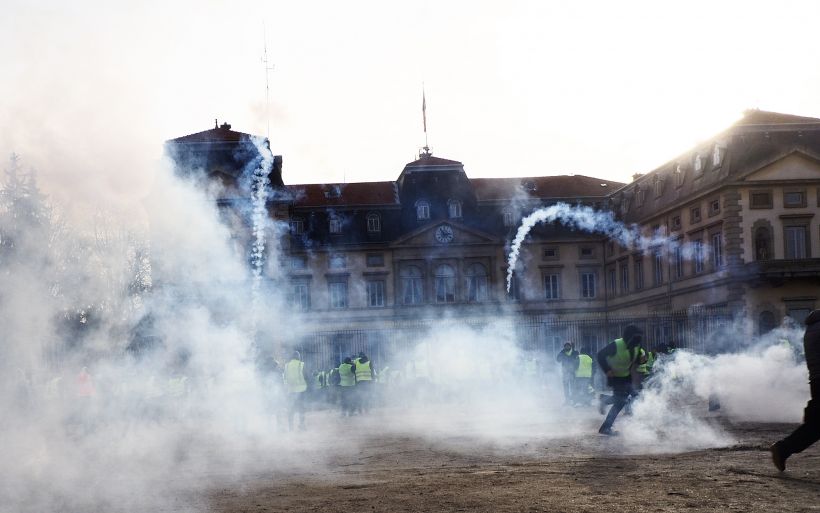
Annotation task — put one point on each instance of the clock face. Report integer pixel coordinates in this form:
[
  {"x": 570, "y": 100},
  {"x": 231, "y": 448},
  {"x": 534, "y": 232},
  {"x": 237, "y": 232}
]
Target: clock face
[{"x": 444, "y": 234}]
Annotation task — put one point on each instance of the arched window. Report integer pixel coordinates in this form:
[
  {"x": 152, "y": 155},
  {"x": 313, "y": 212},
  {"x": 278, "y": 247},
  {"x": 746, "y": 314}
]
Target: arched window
[
  {"x": 422, "y": 210},
  {"x": 411, "y": 285},
  {"x": 445, "y": 284},
  {"x": 765, "y": 322},
  {"x": 374, "y": 224},
  {"x": 763, "y": 243},
  {"x": 454, "y": 209},
  {"x": 476, "y": 282}
]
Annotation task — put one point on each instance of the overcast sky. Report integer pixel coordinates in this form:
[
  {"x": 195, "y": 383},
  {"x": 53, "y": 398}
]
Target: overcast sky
[{"x": 90, "y": 89}]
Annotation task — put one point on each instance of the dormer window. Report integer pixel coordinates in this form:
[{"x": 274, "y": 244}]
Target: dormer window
[
  {"x": 335, "y": 225},
  {"x": 679, "y": 175},
  {"x": 697, "y": 164},
  {"x": 333, "y": 191},
  {"x": 639, "y": 197},
  {"x": 454, "y": 209},
  {"x": 717, "y": 156},
  {"x": 374, "y": 224},
  {"x": 422, "y": 210}
]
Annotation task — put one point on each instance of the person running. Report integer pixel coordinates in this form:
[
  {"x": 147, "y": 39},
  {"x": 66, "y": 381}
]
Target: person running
[
  {"x": 808, "y": 432},
  {"x": 618, "y": 359}
]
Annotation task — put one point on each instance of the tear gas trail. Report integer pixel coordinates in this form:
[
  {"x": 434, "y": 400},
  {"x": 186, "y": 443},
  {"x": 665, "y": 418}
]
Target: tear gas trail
[
  {"x": 589, "y": 220},
  {"x": 260, "y": 220}
]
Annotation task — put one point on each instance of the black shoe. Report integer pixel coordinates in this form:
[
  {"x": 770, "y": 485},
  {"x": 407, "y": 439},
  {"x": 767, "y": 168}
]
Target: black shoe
[
  {"x": 607, "y": 432},
  {"x": 778, "y": 456}
]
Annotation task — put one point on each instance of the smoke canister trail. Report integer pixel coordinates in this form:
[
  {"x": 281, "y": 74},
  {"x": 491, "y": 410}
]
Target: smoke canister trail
[
  {"x": 589, "y": 220},
  {"x": 260, "y": 192}
]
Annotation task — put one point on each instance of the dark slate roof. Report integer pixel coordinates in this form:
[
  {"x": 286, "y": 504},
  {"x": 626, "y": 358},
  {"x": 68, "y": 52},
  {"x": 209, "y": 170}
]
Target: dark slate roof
[
  {"x": 757, "y": 138},
  {"x": 429, "y": 160},
  {"x": 222, "y": 133},
  {"x": 564, "y": 186},
  {"x": 762, "y": 117},
  {"x": 349, "y": 194}
]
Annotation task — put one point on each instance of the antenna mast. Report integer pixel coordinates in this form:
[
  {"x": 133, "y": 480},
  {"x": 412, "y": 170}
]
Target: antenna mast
[
  {"x": 267, "y": 81},
  {"x": 424, "y": 119}
]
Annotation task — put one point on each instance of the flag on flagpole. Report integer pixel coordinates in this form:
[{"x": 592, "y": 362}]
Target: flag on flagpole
[{"x": 424, "y": 110}]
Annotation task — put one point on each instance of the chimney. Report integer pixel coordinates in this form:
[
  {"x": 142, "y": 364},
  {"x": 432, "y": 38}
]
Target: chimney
[
  {"x": 226, "y": 126},
  {"x": 275, "y": 175},
  {"x": 636, "y": 176}
]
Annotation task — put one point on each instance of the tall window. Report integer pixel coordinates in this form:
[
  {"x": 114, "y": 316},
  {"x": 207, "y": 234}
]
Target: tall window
[
  {"x": 613, "y": 282},
  {"x": 335, "y": 225},
  {"x": 624, "y": 279},
  {"x": 639, "y": 274},
  {"x": 552, "y": 288},
  {"x": 300, "y": 296},
  {"x": 422, "y": 210},
  {"x": 763, "y": 243},
  {"x": 508, "y": 218},
  {"x": 297, "y": 226},
  {"x": 375, "y": 293},
  {"x": 411, "y": 285},
  {"x": 454, "y": 209},
  {"x": 765, "y": 322},
  {"x": 657, "y": 266},
  {"x": 795, "y": 238},
  {"x": 476, "y": 282},
  {"x": 445, "y": 284},
  {"x": 514, "y": 293},
  {"x": 698, "y": 255},
  {"x": 678, "y": 262},
  {"x": 587, "y": 285},
  {"x": 717, "y": 250},
  {"x": 338, "y": 294},
  {"x": 374, "y": 224}
]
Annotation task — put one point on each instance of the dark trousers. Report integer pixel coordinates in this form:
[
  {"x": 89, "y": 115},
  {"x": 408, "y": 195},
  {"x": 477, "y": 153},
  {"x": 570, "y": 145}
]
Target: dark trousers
[
  {"x": 621, "y": 392},
  {"x": 346, "y": 399},
  {"x": 567, "y": 382},
  {"x": 363, "y": 391},
  {"x": 582, "y": 392},
  {"x": 296, "y": 404},
  {"x": 809, "y": 432}
]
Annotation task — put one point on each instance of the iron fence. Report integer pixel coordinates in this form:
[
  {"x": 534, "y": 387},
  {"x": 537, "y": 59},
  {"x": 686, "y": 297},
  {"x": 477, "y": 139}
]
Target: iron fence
[{"x": 704, "y": 330}]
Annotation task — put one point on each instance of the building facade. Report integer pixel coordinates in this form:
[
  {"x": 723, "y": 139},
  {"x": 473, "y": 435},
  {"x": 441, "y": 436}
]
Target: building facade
[{"x": 362, "y": 262}]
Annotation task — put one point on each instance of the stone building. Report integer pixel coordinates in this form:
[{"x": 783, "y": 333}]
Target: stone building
[{"x": 361, "y": 259}]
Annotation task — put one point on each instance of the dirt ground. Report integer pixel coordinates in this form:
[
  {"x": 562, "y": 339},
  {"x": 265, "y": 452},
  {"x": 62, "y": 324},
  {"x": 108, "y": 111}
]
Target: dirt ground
[{"x": 471, "y": 470}]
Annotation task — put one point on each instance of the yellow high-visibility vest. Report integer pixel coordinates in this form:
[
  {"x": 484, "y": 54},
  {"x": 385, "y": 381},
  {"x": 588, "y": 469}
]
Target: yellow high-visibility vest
[
  {"x": 294, "y": 376},
  {"x": 621, "y": 362},
  {"x": 584, "y": 369},
  {"x": 363, "y": 372},
  {"x": 346, "y": 377}
]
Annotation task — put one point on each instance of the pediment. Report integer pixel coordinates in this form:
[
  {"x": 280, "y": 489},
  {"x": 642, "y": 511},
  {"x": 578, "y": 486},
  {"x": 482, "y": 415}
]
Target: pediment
[
  {"x": 437, "y": 234},
  {"x": 794, "y": 166}
]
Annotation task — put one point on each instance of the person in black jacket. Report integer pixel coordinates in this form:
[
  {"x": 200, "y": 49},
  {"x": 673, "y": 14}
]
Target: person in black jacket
[
  {"x": 568, "y": 359},
  {"x": 618, "y": 360},
  {"x": 809, "y": 432}
]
